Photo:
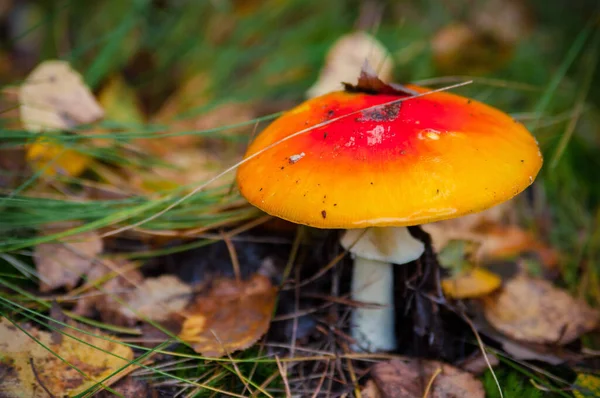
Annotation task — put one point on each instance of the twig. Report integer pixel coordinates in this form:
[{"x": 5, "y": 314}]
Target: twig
[
  {"x": 430, "y": 383},
  {"x": 283, "y": 372},
  {"x": 235, "y": 262},
  {"x": 483, "y": 351},
  {"x": 37, "y": 378}
]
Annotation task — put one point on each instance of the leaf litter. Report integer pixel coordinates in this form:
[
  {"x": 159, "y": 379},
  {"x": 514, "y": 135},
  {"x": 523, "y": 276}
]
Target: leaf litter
[
  {"x": 227, "y": 315},
  {"x": 35, "y": 364}
]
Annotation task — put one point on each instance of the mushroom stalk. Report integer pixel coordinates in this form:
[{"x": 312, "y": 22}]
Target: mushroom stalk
[
  {"x": 373, "y": 283},
  {"x": 375, "y": 250}
]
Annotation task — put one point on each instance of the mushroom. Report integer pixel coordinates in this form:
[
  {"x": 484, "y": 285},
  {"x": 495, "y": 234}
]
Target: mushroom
[{"x": 384, "y": 157}]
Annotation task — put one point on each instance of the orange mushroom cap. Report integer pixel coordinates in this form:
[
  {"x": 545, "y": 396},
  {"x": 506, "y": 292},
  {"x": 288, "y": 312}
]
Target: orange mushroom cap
[{"x": 349, "y": 163}]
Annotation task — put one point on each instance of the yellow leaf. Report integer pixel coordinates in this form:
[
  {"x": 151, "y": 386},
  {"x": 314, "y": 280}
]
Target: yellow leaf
[
  {"x": 120, "y": 102},
  {"x": 55, "y": 159},
  {"x": 586, "y": 385},
  {"x": 472, "y": 283},
  {"x": 73, "y": 362}
]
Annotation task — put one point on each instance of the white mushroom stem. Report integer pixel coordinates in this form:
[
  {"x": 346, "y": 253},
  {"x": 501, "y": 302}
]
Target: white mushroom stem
[{"x": 375, "y": 250}]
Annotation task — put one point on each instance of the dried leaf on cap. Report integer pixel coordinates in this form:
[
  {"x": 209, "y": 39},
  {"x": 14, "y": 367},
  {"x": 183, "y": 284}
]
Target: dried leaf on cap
[
  {"x": 345, "y": 60},
  {"x": 26, "y": 365},
  {"x": 533, "y": 310},
  {"x": 405, "y": 379},
  {"x": 157, "y": 298},
  {"x": 63, "y": 262},
  {"x": 54, "y": 97},
  {"x": 231, "y": 315}
]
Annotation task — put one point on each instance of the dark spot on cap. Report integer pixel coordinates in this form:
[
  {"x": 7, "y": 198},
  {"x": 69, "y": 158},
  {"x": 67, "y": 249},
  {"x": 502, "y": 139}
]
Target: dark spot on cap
[
  {"x": 330, "y": 113},
  {"x": 381, "y": 113},
  {"x": 437, "y": 191},
  {"x": 260, "y": 190},
  {"x": 297, "y": 181},
  {"x": 335, "y": 204},
  {"x": 324, "y": 196},
  {"x": 522, "y": 160},
  {"x": 282, "y": 167},
  {"x": 324, "y": 213},
  {"x": 468, "y": 101},
  {"x": 371, "y": 182},
  {"x": 324, "y": 135}
]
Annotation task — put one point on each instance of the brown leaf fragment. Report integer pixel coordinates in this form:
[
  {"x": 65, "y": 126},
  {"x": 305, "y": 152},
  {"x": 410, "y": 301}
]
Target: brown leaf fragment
[
  {"x": 74, "y": 364},
  {"x": 409, "y": 379},
  {"x": 476, "y": 363},
  {"x": 370, "y": 390},
  {"x": 533, "y": 310},
  {"x": 111, "y": 292},
  {"x": 63, "y": 262},
  {"x": 54, "y": 97},
  {"x": 229, "y": 316},
  {"x": 131, "y": 387}
]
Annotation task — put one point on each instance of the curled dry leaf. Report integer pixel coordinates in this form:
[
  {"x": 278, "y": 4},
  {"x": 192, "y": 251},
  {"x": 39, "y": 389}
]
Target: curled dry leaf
[
  {"x": 75, "y": 363},
  {"x": 472, "y": 283},
  {"x": 345, "y": 60},
  {"x": 230, "y": 316},
  {"x": 54, "y": 97},
  {"x": 157, "y": 298},
  {"x": 533, "y": 310},
  {"x": 409, "y": 379},
  {"x": 63, "y": 262}
]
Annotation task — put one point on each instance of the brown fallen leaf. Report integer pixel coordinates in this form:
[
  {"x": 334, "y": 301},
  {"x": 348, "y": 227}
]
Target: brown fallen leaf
[
  {"x": 409, "y": 379},
  {"x": 345, "y": 59},
  {"x": 471, "y": 283},
  {"x": 157, "y": 298},
  {"x": 62, "y": 263},
  {"x": 494, "y": 239},
  {"x": 54, "y": 97},
  {"x": 229, "y": 316},
  {"x": 69, "y": 368},
  {"x": 108, "y": 300},
  {"x": 535, "y": 311}
]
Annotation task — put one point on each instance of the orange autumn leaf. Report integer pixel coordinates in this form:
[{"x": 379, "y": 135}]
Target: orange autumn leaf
[{"x": 230, "y": 316}]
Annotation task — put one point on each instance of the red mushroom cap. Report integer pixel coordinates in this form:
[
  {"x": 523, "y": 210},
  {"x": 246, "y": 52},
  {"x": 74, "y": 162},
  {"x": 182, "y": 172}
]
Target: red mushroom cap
[{"x": 423, "y": 159}]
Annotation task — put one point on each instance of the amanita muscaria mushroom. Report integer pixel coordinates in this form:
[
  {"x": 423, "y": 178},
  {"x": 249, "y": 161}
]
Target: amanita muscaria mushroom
[{"x": 385, "y": 156}]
